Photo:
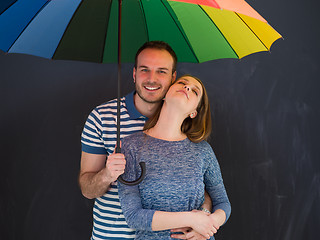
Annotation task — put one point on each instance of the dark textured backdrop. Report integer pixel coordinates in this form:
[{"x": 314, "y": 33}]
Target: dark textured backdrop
[{"x": 266, "y": 127}]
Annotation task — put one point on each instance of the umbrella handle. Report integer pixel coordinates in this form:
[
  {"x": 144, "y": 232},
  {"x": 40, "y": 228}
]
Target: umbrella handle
[{"x": 139, "y": 180}]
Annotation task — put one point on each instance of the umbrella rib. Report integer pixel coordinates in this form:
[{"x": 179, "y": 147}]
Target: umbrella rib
[
  {"x": 44, "y": 5},
  {"x": 182, "y": 32},
  {"x": 144, "y": 18},
  {"x": 5, "y": 9},
  {"x": 220, "y": 32},
  {"x": 105, "y": 35},
  {"x": 252, "y": 30},
  {"x": 53, "y": 56}
]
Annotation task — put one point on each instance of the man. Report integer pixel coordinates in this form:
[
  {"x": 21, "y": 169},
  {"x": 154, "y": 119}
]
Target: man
[{"x": 153, "y": 73}]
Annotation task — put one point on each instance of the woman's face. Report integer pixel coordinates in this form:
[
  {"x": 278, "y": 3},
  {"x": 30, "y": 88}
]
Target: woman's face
[{"x": 186, "y": 92}]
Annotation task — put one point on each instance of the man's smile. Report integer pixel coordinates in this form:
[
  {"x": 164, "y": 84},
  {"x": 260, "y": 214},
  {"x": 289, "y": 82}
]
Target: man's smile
[{"x": 150, "y": 88}]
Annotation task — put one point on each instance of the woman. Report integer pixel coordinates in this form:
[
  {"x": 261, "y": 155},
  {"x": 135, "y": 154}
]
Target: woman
[{"x": 180, "y": 165}]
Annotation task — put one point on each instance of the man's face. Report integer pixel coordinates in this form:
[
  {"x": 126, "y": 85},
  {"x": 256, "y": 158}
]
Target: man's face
[{"x": 153, "y": 75}]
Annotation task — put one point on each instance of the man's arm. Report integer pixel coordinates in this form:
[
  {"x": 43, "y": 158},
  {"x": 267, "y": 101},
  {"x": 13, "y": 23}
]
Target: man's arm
[
  {"x": 207, "y": 203},
  {"x": 96, "y": 174}
]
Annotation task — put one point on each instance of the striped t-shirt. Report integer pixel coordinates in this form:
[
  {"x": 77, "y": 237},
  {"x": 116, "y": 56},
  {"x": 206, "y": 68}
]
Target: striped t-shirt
[{"x": 99, "y": 137}]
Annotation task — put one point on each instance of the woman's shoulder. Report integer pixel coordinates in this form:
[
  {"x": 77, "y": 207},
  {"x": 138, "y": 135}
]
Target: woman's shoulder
[
  {"x": 204, "y": 148},
  {"x": 203, "y": 144},
  {"x": 132, "y": 139},
  {"x": 134, "y": 135}
]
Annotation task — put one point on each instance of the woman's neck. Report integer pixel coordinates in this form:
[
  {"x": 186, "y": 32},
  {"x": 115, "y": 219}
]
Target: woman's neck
[{"x": 168, "y": 126}]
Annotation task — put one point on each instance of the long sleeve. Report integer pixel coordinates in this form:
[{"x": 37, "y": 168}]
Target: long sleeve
[
  {"x": 214, "y": 184},
  {"x": 135, "y": 215},
  {"x": 176, "y": 174}
]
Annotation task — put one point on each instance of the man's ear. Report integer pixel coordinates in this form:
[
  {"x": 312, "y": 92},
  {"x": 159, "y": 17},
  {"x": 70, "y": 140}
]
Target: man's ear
[
  {"x": 134, "y": 74},
  {"x": 193, "y": 114},
  {"x": 174, "y": 75}
]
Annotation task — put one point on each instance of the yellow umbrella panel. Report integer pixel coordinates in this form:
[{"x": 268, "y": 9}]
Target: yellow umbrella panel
[{"x": 245, "y": 34}]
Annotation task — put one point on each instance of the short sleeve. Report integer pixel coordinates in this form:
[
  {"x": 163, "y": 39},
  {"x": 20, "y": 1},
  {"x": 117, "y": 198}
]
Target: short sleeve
[{"x": 91, "y": 137}]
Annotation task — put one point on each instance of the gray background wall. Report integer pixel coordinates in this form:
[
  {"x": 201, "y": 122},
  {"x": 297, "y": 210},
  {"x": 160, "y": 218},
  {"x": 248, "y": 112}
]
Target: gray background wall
[{"x": 265, "y": 115}]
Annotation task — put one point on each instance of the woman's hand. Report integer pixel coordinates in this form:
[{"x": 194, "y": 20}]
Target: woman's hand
[
  {"x": 203, "y": 223},
  {"x": 187, "y": 232},
  {"x": 211, "y": 224},
  {"x": 218, "y": 218}
]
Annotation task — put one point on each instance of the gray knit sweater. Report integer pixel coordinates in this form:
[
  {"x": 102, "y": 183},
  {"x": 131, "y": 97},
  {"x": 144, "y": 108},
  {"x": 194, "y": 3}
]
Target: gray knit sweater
[{"x": 177, "y": 173}]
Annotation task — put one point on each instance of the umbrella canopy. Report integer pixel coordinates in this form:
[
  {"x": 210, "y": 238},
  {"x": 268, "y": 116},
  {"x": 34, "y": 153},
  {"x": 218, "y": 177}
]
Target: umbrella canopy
[
  {"x": 109, "y": 31},
  {"x": 87, "y": 30}
]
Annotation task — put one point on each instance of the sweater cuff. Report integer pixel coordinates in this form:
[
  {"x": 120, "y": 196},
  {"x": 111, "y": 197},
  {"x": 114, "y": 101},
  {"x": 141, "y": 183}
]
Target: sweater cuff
[
  {"x": 149, "y": 219},
  {"x": 225, "y": 207}
]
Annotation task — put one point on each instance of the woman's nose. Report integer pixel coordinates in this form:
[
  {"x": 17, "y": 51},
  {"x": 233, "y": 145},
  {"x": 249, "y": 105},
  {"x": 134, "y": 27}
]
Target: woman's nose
[{"x": 187, "y": 87}]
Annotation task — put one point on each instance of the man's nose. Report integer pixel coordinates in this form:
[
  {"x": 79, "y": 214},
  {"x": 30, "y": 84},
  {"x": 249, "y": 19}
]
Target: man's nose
[{"x": 152, "y": 76}]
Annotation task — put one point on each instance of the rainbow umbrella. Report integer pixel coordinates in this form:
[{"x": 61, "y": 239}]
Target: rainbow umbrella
[
  {"x": 107, "y": 31},
  {"x": 87, "y": 30}
]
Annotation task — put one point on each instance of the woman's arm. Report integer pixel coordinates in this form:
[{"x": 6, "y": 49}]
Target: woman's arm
[
  {"x": 197, "y": 220},
  {"x": 218, "y": 218},
  {"x": 189, "y": 233},
  {"x": 152, "y": 220},
  {"x": 214, "y": 186}
]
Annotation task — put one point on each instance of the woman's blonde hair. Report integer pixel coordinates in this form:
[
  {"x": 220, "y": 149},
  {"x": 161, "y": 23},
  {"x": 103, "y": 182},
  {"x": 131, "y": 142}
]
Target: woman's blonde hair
[{"x": 197, "y": 129}]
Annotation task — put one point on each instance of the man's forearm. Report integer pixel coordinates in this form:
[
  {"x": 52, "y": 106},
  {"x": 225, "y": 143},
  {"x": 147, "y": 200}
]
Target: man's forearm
[
  {"x": 94, "y": 185},
  {"x": 207, "y": 204}
]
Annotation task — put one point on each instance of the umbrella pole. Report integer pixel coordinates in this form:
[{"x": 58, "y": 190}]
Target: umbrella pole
[{"x": 118, "y": 147}]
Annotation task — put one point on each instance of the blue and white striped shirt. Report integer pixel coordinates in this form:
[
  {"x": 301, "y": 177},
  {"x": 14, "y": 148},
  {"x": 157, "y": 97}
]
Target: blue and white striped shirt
[{"x": 99, "y": 137}]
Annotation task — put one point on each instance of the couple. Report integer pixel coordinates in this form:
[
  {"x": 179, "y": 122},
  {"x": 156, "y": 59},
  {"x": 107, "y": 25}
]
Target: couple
[{"x": 178, "y": 162}]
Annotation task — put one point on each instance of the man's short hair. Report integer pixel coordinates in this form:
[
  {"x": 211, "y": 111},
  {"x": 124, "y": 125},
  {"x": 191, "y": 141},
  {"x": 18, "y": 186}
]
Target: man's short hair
[{"x": 160, "y": 45}]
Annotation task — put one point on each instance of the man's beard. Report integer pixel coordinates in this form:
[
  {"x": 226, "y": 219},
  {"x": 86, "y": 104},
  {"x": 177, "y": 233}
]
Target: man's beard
[{"x": 138, "y": 90}]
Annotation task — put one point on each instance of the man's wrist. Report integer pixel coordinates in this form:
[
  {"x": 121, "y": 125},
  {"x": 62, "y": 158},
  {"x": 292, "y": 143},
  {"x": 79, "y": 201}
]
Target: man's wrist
[{"x": 205, "y": 210}]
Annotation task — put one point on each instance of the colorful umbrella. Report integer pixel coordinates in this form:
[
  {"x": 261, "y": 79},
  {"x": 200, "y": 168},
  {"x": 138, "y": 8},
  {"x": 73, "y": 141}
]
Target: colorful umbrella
[
  {"x": 87, "y": 30},
  {"x": 108, "y": 31}
]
